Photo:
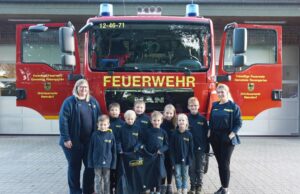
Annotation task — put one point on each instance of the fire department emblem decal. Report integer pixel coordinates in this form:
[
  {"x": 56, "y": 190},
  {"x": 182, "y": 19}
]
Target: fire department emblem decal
[
  {"x": 250, "y": 87},
  {"x": 47, "y": 86}
]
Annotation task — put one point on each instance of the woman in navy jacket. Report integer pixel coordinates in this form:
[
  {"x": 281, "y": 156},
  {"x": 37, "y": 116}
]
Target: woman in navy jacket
[
  {"x": 225, "y": 122},
  {"x": 77, "y": 121}
]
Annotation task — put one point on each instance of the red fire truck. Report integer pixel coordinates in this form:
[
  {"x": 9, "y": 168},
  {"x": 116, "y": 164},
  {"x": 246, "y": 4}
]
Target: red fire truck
[{"x": 159, "y": 59}]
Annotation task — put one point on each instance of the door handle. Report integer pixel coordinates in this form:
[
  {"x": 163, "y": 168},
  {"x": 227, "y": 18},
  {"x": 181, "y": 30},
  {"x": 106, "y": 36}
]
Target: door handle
[
  {"x": 276, "y": 95},
  {"x": 21, "y": 94}
]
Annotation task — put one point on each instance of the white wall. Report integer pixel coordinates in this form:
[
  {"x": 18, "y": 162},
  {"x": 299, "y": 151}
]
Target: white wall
[
  {"x": 7, "y": 53},
  {"x": 20, "y": 120}
]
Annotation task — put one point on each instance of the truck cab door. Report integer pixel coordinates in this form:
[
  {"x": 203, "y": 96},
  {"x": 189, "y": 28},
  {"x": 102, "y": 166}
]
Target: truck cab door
[
  {"x": 41, "y": 79},
  {"x": 255, "y": 85}
]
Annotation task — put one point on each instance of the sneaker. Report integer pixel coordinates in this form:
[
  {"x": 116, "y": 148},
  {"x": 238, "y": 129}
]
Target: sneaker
[
  {"x": 179, "y": 191},
  {"x": 163, "y": 189},
  {"x": 219, "y": 191},
  {"x": 184, "y": 191},
  {"x": 199, "y": 190},
  {"x": 222, "y": 191},
  {"x": 225, "y": 191},
  {"x": 192, "y": 190}
]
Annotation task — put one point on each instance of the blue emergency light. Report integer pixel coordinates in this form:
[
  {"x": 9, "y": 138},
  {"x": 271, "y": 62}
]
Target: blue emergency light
[
  {"x": 192, "y": 10},
  {"x": 106, "y": 9}
]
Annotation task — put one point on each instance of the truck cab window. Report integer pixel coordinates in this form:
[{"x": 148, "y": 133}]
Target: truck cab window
[
  {"x": 261, "y": 49},
  {"x": 135, "y": 46},
  {"x": 42, "y": 47}
]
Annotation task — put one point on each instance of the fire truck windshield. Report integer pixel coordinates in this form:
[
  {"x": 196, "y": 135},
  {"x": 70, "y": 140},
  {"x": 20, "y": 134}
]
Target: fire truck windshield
[{"x": 149, "y": 46}]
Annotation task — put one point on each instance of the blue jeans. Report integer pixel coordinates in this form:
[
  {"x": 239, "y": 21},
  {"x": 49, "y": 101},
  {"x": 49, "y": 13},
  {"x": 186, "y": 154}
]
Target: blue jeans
[
  {"x": 75, "y": 157},
  {"x": 181, "y": 176}
]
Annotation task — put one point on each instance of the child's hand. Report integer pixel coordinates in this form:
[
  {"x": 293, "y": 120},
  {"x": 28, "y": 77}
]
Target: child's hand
[
  {"x": 231, "y": 135},
  {"x": 68, "y": 144},
  {"x": 158, "y": 152}
]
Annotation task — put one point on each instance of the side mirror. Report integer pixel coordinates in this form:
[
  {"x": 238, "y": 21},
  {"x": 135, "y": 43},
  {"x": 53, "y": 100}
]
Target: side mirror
[
  {"x": 66, "y": 39},
  {"x": 68, "y": 60},
  {"x": 239, "y": 60},
  {"x": 239, "y": 47},
  {"x": 239, "y": 40}
]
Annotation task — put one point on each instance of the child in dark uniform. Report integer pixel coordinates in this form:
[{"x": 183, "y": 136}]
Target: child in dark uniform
[
  {"x": 102, "y": 155},
  {"x": 181, "y": 149},
  {"x": 142, "y": 119},
  {"x": 169, "y": 125},
  {"x": 129, "y": 136},
  {"x": 199, "y": 129},
  {"x": 116, "y": 124},
  {"x": 155, "y": 141}
]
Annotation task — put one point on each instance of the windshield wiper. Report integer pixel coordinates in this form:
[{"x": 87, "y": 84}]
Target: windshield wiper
[
  {"x": 124, "y": 69},
  {"x": 86, "y": 27},
  {"x": 185, "y": 70}
]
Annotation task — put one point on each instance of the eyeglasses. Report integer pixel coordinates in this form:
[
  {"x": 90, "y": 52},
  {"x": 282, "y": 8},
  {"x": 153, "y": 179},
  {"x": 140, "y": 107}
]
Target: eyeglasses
[
  {"x": 221, "y": 92},
  {"x": 83, "y": 87}
]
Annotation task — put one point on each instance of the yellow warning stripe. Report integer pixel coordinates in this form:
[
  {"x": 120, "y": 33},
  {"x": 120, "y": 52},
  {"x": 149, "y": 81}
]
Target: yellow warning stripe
[
  {"x": 51, "y": 117},
  {"x": 248, "y": 117}
]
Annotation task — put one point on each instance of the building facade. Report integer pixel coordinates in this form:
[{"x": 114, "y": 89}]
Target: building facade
[{"x": 279, "y": 121}]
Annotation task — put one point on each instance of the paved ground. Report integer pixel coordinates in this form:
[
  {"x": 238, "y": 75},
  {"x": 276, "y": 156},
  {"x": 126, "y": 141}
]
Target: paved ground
[{"x": 263, "y": 165}]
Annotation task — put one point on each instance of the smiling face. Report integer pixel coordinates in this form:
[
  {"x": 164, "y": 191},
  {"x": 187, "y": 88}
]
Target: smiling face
[
  {"x": 139, "y": 108},
  {"x": 129, "y": 119},
  {"x": 222, "y": 94},
  {"x": 169, "y": 114},
  {"x": 182, "y": 122},
  {"x": 156, "y": 122},
  {"x": 114, "y": 112},
  {"x": 193, "y": 107},
  {"x": 83, "y": 90},
  {"x": 103, "y": 125}
]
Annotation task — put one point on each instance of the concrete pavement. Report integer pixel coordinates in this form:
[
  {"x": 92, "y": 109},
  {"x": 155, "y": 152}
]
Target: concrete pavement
[{"x": 264, "y": 165}]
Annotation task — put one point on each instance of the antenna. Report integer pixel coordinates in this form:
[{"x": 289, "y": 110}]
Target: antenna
[{"x": 124, "y": 8}]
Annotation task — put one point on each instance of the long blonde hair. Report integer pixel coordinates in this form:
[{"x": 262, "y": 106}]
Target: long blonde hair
[
  {"x": 173, "y": 109},
  {"x": 226, "y": 89},
  {"x": 79, "y": 83}
]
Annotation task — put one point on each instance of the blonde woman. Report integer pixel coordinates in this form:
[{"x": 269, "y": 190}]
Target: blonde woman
[
  {"x": 77, "y": 121},
  {"x": 225, "y": 122}
]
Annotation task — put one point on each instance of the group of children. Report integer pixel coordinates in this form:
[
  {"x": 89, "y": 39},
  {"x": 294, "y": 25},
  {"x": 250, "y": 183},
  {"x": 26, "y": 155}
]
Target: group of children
[{"x": 180, "y": 138}]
